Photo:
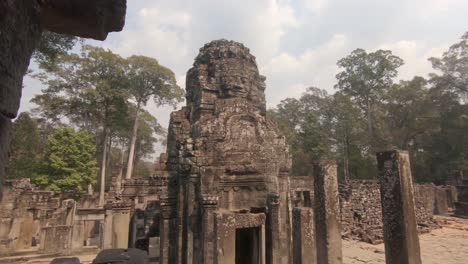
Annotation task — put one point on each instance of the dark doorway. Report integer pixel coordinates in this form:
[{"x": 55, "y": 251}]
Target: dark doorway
[
  {"x": 247, "y": 246},
  {"x": 307, "y": 202}
]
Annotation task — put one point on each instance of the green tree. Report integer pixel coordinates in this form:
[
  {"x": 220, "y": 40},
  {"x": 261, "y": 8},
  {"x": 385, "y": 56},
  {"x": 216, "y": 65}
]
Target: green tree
[
  {"x": 69, "y": 163},
  {"x": 148, "y": 79},
  {"x": 52, "y": 45},
  {"x": 365, "y": 77},
  {"x": 452, "y": 67},
  {"x": 89, "y": 89},
  {"x": 348, "y": 132},
  {"x": 449, "y": 144},
  {"x": 25, "y": 147},
  {"x": 306, "y": 124}
]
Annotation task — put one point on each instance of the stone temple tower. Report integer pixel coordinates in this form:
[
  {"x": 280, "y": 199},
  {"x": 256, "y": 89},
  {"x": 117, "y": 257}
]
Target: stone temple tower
[{"x": 227, "y": 199}]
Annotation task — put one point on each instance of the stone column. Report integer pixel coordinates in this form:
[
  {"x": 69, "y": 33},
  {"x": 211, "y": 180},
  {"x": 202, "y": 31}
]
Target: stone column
[
  {"x": 193, "y": 181},
  {"x": 120, "y": 227},
  {"x": 168, "y": 214},
  {"x": 327, "y": 213},
  {"x": 273, "y": 243},
  {"x": 396, "y": 190},
  {"x": 210, "y": 205},
  {"x": 303, "y": 236},
  {"x": 107, "y": 229}
]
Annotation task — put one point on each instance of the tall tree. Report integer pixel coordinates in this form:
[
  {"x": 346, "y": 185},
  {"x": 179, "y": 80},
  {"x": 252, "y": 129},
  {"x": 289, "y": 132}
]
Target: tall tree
[
  {"x": 449, "y": 92},
  {"x": 25, "y": 148},
  {"x": 69, "y": 163},
  {"x": 88, "y": 89},
  {"x": 52, "y": 45},
  {"x": 365, "y": 77},
  {"x": 148, "y": 79},
  {"x": 452, "y": 67}
]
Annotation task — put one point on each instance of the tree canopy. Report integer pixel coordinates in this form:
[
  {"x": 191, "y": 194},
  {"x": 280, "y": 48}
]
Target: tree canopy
[{"x": 69, "y": 163}]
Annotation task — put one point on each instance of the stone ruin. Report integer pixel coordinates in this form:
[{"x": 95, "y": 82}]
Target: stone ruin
[
  {"x": 227, "y": 164},
  {"x": 34, "y": 219},
  {"x": 222, "y": 193}
]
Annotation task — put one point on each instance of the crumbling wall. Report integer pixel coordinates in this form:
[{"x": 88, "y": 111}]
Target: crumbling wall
[
  {"x": 361, "y": 210},
  {"x": 24, "y": 210}
]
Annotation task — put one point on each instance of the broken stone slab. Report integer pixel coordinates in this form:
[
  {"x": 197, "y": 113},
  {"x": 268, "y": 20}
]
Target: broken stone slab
[{"x": 121, "y": 256}]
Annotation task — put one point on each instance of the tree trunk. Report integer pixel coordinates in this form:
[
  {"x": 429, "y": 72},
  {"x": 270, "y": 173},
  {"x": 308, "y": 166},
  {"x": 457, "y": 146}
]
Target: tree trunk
[
  {"x": 131, "y": 153},
  {"x": 121, "y": 169},
  {"x": 369, "y": 126},
  {"x": 103, "y": 168},
  {"x": 346, "y": 158}
]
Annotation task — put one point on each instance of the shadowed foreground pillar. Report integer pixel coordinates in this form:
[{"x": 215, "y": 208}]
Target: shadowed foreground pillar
[
  {"x": 396, "y": 190},
  {"x": 327, "y": 223}
]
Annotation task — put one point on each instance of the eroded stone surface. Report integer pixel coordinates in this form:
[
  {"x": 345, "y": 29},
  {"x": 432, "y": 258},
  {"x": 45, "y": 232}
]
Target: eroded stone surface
[
  {"x": 397, "y": 196},
  {"x": 225, "y": 156}
]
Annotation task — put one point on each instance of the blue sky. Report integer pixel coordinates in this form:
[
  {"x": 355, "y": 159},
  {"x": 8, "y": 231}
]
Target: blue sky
[{"x": 297, "y": 42}]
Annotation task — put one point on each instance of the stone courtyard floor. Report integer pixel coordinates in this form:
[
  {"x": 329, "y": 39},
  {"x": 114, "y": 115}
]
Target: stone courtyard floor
[{"x": 447, "y": 245}]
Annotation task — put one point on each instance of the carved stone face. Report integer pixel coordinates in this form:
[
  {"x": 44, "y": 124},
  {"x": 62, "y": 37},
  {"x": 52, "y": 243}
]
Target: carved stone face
[
  {"x": 225, "y": 69},
  {"x": 234, "y": 85}
]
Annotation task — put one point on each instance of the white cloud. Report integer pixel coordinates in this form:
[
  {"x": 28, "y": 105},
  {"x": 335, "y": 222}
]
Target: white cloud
[
  {"x": 297, "y": 43},
  {"x": 315, "y": 5},
  {"x": 289, "y": 75},
  {"x": 415, "y": 54}
]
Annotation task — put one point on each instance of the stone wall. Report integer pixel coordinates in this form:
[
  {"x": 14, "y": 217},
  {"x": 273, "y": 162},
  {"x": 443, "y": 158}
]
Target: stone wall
[
  {"x": 361, "y": 210},
  {"x": 25, "y": 210}
]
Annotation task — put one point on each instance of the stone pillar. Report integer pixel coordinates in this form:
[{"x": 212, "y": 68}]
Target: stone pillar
[
  {"x": 273, "y": 243},
  {"x": 210, "y": 205},
  {"x": 193, "y": 181},
  {"x": 303, "y": 236},
  {"x": 107, "y": 229},
  {"x": 396, "y": 190},
  {"x": 120, "y": 227},
  {"x": 327, "y": 213},
  {"x": 168, "y": 214}
]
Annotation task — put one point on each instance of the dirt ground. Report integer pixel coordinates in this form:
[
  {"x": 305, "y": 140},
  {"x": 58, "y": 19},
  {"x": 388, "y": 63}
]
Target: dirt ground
[{"x": 448, "y": 245}]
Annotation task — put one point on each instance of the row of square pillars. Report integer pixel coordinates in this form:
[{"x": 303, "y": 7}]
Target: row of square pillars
[{"x": 317, "y": 233}]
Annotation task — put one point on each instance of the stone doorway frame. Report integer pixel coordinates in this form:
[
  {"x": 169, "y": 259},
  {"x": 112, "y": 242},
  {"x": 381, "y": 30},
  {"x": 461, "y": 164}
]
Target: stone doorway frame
[{"x": 226, "y": 224}]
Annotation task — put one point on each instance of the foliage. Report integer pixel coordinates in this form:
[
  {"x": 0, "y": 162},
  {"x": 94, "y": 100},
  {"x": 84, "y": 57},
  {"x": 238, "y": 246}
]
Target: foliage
[
  {"x": 452, "y": 76},
  {"x": 370, "y": 112},
  {"x": 69, "y": 163},
  {"x": 148, "y": 79},
  {"x": 365, "y": 78},
  {"x": 52, "y": 45},
  {"x": 26, "y": 147}
]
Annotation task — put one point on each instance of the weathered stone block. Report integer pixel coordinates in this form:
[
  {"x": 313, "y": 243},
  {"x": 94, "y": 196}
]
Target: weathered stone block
[
  {"x": 304, "y": 247},
  {"x": 327, "y": 213},
  {"x": 400, "y": 231}
]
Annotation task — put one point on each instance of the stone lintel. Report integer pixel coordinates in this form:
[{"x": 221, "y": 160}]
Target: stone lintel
[
  {"x": 210, "y": 201},
  {"x": 397, "y": 196},
  {"x": 83, "y": 18}
]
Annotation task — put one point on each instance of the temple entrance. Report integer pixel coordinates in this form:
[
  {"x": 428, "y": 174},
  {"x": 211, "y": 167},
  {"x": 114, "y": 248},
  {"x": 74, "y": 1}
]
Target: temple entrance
[{"x": 247, "y": 246}]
